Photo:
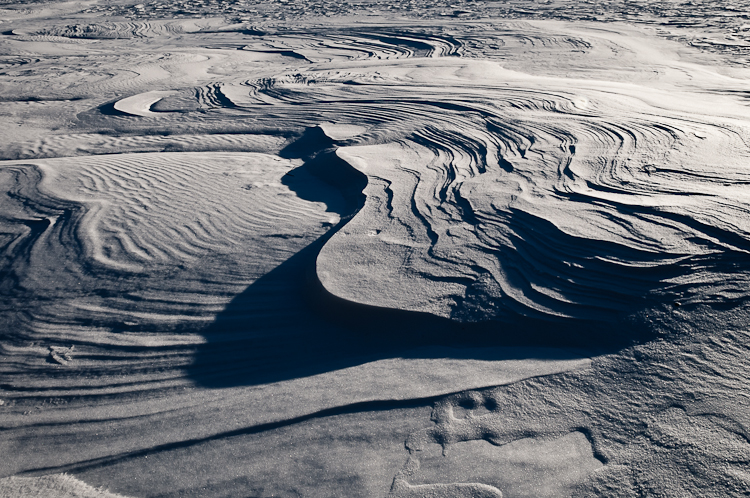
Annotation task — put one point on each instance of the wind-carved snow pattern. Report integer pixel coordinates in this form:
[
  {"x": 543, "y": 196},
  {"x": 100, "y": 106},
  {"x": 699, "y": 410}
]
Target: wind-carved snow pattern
[
  {"x": 493, "y": 195},
  {"x": 514, "y": 202},
  {"x": 578, "y": 422},
  {"x": 213, "y": 216}
]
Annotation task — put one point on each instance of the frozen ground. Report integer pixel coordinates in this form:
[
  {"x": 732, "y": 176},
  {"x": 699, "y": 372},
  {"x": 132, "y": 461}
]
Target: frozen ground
[{"x": 319, "y": 249}]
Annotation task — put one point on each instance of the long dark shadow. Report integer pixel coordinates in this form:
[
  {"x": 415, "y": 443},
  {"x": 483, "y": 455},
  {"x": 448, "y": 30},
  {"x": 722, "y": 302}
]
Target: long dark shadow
[{"x": 287, "y": 325}]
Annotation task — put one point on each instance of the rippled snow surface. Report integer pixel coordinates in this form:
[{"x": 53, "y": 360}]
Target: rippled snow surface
[
  {"x": 197, "y": 203},
  {"x": 491, "y": 193}
]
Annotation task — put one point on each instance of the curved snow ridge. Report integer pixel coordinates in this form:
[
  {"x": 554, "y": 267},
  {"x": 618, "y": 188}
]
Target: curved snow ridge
[
  {"x": 140, "y": 105},
  {"x": 495, "y": 195},
  {"x": 172, "y": 208},
  {"x": 137, "y": 72},
  {"x": 528, "y": 203},
  {"x": 373, "y": 43},
  {"x": 143, "y": 251},
  {"x": 171, "y": 221},
  {"x": 130, "y": 29}
]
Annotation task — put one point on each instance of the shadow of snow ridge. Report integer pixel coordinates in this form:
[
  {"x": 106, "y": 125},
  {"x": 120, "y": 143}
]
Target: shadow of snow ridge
[{"x": 287, "y": 325}]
